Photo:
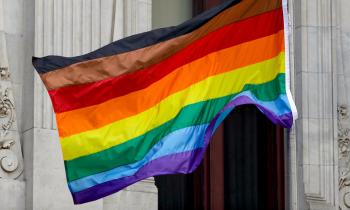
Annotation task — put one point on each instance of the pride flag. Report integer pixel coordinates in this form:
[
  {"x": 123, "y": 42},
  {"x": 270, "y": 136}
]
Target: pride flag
[{"x": 149, "y": 104}]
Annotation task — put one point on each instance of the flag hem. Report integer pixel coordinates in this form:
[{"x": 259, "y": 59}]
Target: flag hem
[{"x": 287, "y": 62}]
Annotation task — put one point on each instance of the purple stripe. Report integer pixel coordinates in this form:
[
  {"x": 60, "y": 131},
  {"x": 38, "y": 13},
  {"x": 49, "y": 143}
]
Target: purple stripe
[
  {"x": 285, "y": 120},
  {"x": 184, "y": 162}
]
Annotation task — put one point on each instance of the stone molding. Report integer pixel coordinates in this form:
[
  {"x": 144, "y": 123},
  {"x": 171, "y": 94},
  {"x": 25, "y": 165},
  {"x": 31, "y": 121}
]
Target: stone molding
[
  {"x": 315, "y": 163},
  {"x": 341, "y": 42},
  {"x": 344, "y": 157},
  {"x": 11, "y": 161}
]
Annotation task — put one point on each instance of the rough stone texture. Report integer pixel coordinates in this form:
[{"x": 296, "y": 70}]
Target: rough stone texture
[
  {"x": 133, "y": 197},
  {"x": 12, "y": 194}
]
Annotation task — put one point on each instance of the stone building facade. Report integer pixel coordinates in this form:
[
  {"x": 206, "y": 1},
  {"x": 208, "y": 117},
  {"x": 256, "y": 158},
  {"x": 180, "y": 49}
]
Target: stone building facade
[{"x": 31, "y": 173}]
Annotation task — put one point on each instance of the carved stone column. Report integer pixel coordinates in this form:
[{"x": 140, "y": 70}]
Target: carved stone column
[
  {"x": 321, "y": 51},
  {"x": 315, "y": 150},
  {"x": 11, "y": 160},
  {"x": 341, "y": 41},
  {"x": 344, "y": 156}
]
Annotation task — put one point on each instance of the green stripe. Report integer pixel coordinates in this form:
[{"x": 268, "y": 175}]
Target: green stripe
[{"x": 135, "y": 149}]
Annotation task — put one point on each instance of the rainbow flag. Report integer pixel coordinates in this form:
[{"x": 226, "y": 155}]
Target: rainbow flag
[{"x": 149, "y": 104}]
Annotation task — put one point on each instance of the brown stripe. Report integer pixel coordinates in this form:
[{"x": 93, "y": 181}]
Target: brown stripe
[{"x": 111, "y": 66}]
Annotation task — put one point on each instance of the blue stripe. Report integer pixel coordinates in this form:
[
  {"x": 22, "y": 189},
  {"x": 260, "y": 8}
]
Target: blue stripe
[
  {"x": 279, "y": 107},
  {"x": 182, "y": 140}
]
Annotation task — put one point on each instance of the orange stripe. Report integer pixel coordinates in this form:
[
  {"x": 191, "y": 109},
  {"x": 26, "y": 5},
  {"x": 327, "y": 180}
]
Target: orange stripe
[{"x": 89, "y": 118}]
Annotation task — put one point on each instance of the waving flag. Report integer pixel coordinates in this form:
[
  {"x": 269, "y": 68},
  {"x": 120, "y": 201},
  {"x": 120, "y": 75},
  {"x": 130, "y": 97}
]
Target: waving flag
[{"x": 149, "y": 104}]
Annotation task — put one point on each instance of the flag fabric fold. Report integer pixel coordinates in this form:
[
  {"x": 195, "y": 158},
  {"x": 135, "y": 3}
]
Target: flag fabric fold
[{"x": 149, "y": 104}]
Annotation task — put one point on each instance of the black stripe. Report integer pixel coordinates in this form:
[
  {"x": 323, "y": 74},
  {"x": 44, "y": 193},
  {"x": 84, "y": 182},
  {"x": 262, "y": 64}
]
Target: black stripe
[{"x": 138, "y": 41}]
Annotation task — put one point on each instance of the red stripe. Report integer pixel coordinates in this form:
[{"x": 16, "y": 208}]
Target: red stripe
[{"x": 74, "y": 97}]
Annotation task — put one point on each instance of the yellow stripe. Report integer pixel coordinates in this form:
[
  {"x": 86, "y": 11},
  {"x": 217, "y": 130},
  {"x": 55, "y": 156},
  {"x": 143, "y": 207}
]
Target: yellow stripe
[{"x": 118, "y": 132}]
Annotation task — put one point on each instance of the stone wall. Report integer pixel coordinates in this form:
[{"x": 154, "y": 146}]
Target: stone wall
[
  {"x": 316, "y": 166},
  {"x": 318, "y": 151}
]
